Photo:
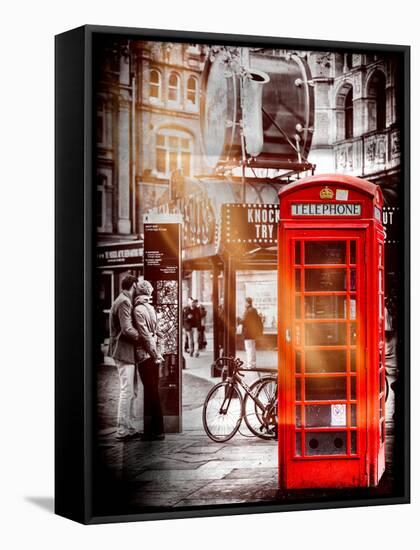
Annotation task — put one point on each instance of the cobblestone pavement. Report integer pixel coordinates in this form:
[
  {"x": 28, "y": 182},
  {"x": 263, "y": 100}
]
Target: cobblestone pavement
[{"x": 188, "y": 469}]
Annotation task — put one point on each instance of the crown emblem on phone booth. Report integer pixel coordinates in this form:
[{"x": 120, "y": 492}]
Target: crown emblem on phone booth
[{"x": 326, "y": 193}]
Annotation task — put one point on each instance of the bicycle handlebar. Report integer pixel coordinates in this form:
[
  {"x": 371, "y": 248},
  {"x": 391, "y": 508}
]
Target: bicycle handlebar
[
  {"x": 224, "y": 359},
  {"x": 260, "y": 369},
  {"x": 237, "y": 364}
]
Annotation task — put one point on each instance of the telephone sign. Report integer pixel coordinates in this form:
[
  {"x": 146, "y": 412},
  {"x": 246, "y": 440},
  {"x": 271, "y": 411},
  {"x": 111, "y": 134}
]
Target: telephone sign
[{"x": 326, "y": 209}]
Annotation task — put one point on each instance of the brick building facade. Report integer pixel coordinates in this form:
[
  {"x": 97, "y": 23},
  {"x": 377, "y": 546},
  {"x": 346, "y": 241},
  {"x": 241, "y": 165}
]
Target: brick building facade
[{"x": 148, "y": 126}]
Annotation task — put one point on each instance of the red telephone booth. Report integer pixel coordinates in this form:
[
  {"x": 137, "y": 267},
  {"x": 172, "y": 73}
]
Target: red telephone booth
[{"x": 331, "y": 334}]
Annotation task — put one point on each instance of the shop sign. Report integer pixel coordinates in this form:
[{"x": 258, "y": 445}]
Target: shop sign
[
  {"x": 391, "y": 225},
  {"x": 249, "y": 225},
  {"x": 124, "y": 255},
  {"x": 199, "y": 218}
]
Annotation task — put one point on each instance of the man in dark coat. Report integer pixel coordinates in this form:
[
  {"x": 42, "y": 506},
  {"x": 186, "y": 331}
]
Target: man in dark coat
[
  {"x": 202, "y": 314},
  {"x": 123, "y": 337},
  {"x": 251, "y": 329},
  {"x": 191, "y": 322},
  {"x": 149, "y": 358}
]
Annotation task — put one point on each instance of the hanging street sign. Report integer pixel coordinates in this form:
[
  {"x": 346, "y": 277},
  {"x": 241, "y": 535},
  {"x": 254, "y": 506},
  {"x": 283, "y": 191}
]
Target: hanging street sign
[{"x": 244, "y": 226}]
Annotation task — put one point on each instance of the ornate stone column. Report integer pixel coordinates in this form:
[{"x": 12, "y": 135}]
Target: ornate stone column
[
  {"x": 359, "y": 111},
  {"x": 124, "y": 163},
  {"x": 321, "y": 69}
]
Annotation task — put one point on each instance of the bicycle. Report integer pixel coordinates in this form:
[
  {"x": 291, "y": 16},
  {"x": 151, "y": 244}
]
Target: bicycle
[{"x": 225, "y": 407}]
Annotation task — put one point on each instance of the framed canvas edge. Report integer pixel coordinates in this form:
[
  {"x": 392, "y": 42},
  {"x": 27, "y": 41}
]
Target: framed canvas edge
[
  {"x": 70, "y": 231},
  {"x": 244, "y": 509},
  {"x": 407, "y": 268},
  {"x": 89, "y": 278},
  {"x": 243, "y": 40}
]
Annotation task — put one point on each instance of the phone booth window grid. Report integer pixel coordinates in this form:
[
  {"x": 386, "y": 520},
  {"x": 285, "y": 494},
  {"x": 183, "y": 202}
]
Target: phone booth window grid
[{"x": 331, "y": 334}]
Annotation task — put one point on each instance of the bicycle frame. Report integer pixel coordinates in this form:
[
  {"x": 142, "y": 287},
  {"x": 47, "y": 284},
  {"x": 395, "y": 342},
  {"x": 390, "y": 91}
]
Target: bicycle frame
[
  {"x": 222, "y": 409},
  {"x": 265, "y": 409},
  {"x": 235, "y": 378}
]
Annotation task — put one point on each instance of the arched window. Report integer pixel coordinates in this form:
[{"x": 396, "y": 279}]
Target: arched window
[
  {"x": 174, "y": 88},
  {"x": 344, "y": 112},
  {"x": 376, "y": 93},
  {"x": 192, "y": 90},
  {"x": 173, "y": 152},
  {"x": 348, "y": 115},
  {"x": 155, "y": 85}
]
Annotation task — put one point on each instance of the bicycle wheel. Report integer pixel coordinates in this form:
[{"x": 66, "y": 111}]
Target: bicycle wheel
[
  {"x": 222, "y": 411},
  {"x": 262, "y": 422}
]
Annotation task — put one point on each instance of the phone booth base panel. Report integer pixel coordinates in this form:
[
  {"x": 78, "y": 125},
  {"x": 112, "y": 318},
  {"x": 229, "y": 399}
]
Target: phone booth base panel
[{"x": 323, "y": 474}]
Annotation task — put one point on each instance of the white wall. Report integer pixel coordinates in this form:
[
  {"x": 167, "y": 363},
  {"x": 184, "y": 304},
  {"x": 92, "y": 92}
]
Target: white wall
[{"x": 26, "y": 217}]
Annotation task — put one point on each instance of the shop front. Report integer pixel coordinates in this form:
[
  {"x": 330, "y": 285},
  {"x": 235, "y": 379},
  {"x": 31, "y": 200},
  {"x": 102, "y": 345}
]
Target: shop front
[
  {"x": 248, "y": 249},
  {"x": 113, "y": 262},
  {"x": 229, "y": 252}
]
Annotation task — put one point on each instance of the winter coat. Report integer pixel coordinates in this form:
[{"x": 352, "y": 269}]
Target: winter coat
[
  {"x": 252, "y": 324},
  {"x": 150, "y": 337},
  {"x": 123, "y": 335},
  {"x": 191, "y": 317},
  {"x": 203, "y": 314}
]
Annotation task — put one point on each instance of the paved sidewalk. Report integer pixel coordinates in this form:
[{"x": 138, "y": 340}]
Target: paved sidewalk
[{"x": 188, "y": 469}]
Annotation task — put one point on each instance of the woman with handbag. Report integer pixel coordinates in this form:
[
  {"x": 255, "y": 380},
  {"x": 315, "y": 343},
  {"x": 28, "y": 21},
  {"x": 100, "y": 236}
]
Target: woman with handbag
[{"x": 149, "y": 358}]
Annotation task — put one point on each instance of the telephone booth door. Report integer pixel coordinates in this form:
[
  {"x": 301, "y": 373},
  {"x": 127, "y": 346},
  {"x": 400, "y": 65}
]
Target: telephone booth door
[{"x": 323, "y": 424}]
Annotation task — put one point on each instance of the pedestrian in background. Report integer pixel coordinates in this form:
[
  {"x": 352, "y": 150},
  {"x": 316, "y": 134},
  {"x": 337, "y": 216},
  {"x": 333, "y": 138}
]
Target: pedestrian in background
[
  {"x": 186, "y": 323},
  {"x": 191, "y": 321},
  {"x": 220, "y": 327},
  {"x": 202, "y": 314},
  {"x": 252, "y": 328},
  {"x": 122, "y": 341},
  {"x": 149, "y": 359}
]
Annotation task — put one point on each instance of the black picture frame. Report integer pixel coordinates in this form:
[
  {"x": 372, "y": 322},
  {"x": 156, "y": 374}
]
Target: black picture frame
[{"x": 75, "y": 281}]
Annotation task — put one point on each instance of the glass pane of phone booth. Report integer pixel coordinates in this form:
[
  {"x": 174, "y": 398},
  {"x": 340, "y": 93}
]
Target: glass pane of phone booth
[{"x": 325, "y": 311}]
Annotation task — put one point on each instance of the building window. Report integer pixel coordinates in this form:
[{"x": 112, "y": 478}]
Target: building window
[
  {"x": 344, "y": 113},
  {"x": 155, "y": 85},
  {"x": 192, "y": 91},
  {"x": 396, "y": 100},
  {"x": 100, "y": 122},
  {"x": 173, "y": 152},
  {"x": 348, "y": 115},
  {"x": 105, "y": 299},
  {"x": 377, "y": 100},
  {"x": 100, "y": 202},
  {"x": 174, "y": 88},
  {"x": 338, "y": 63},
  {"x": 348, "y": 62}
]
